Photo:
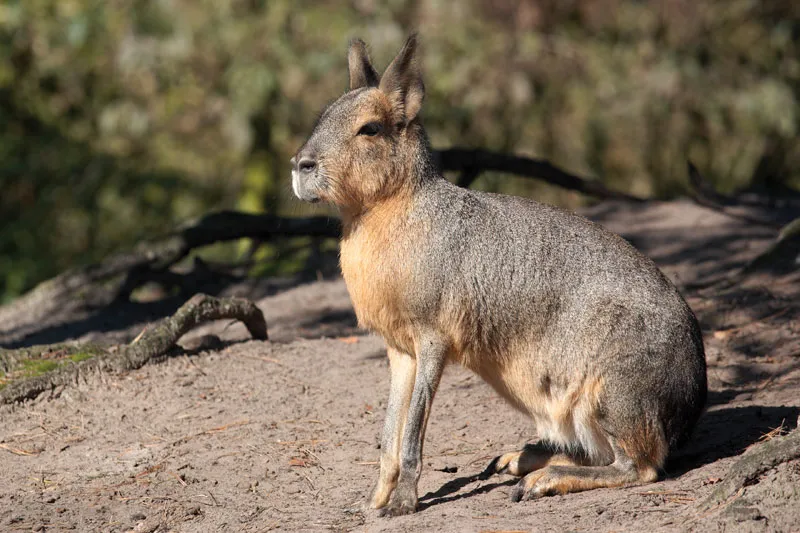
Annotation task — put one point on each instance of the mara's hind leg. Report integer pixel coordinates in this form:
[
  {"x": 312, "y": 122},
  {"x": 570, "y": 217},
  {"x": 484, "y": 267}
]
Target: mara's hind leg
[
  {"x": 632, "y": 465},
  {"x": 531, "y": 457}
]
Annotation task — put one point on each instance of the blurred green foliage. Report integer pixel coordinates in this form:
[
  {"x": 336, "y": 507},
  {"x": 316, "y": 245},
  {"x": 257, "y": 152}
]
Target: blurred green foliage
[{"x": 121, "y": 117}]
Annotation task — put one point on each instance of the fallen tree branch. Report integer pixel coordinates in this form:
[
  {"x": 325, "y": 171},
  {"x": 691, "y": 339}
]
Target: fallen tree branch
[
  {"x": 154, "y": 341},
  {"x": 11, "y": 359},
  {"x": 471, "y": 162},
  {"x": 158, "y": 256},
  {"x": 703, "y": 194},
  {"x": 753, "y": 464},
  {"x": 117, "y": 276},
  {"x": 199, "y": 309}
]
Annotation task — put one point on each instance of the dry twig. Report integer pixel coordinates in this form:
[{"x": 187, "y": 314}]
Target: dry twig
[{"x": 153, "y": 342}]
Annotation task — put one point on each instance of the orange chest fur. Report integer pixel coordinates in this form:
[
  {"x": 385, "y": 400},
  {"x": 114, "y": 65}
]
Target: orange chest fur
[{"x": 377, "y": 277}]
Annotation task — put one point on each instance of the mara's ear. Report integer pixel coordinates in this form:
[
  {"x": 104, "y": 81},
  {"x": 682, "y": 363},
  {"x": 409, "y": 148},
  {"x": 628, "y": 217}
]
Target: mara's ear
[
  {"x": 362, "y": 74},
  {"x": 402, "y": 83}
]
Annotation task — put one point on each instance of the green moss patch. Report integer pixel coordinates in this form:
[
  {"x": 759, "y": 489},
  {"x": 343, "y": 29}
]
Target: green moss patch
[
  {"x": 50, "y": 361},
  {"x": 80, "y": 356},
  {"x": 37, "y": 367}
]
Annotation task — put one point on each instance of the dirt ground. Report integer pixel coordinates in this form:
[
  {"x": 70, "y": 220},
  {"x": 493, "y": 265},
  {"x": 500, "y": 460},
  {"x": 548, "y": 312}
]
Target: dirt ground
[{"x": 282, "y": 435}]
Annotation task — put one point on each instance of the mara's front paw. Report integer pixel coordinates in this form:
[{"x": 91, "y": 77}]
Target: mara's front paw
[
  {"x": 401, "y": 503},
  {"x": 380, "y": 496}
]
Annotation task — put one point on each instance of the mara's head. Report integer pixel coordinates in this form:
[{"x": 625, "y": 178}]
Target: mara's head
[{"x": 368, "y": 145}]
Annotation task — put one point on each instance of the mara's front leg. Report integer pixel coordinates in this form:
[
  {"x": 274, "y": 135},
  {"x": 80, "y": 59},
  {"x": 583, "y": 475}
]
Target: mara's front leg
[
  {"x": 402, "y": 368},
  {"x": 430, "y": 363}
]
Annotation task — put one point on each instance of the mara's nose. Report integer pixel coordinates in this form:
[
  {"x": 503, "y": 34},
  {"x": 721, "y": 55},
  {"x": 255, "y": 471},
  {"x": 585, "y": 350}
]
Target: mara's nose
[
  {"x": 304, "y": 163},
  {"x": 307, "y": 164}
]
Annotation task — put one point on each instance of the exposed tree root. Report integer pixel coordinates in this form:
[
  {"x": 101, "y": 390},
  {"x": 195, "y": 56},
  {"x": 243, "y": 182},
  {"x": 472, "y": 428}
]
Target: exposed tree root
[
  {"x": 155, "y": 340},
  {"x": 10, "y": 359},
  {"x": 751, "y": 465},
  {"x": 117, "y": 276},
  {"x": 702, "y": 193},
  {"x": 472, "y": 162}
]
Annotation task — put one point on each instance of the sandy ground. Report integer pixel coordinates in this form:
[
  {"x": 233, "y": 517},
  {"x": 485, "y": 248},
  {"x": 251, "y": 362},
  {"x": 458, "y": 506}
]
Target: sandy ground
[{"x": 282, "y": 435}]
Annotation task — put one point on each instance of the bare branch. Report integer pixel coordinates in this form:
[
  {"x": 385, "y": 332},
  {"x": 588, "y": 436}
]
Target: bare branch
[
  {"x": 94, "y": 285},
  {"x": 704, "y": 194},
  {"x": 155, "y": 341},
  {"x": 477, "y": 160}
]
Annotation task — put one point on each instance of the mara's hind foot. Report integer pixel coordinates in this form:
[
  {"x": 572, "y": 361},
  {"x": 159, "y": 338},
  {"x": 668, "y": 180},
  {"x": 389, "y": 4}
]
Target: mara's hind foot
[
  {"x": 636, "y": 460},
  {"x": 558, "y": 479},
  {"x": 530, "y": 458}
]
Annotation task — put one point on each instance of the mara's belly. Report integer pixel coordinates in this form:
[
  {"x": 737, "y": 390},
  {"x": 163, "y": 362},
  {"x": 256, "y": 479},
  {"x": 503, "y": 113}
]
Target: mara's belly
[{"x": 563, "y": 408}]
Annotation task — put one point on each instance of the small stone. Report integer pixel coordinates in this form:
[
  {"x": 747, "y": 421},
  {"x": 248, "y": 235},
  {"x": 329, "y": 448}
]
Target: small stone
[
  {"x": 744, "y": 513},
  {"x": 148, "y": 526}
]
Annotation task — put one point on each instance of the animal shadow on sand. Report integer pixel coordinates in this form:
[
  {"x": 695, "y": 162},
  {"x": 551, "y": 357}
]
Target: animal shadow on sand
[
  {"x": 720, "y": 433},
  {"x": 449, "y": 491},
  {"x": 728, "y": 431}
]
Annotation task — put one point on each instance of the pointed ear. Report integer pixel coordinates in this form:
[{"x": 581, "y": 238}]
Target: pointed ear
[
  {"x": 362, "y": 74},
  {"x": 402, "y": 83}
]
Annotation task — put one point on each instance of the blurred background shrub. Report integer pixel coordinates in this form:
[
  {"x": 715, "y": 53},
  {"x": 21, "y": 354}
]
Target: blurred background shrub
[{"x": 120, "y": 118}]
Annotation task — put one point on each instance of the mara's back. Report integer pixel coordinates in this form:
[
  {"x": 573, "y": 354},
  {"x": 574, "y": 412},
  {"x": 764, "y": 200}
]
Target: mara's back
[{"x": 530, "y": 293}]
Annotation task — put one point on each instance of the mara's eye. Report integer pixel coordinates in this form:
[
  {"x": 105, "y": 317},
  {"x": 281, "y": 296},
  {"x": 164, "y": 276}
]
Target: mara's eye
[{"x": 370, "y": 129}]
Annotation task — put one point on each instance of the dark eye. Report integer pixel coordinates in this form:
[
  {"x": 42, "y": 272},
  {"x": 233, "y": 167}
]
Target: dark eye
[{"x": 370, "y": 129}]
